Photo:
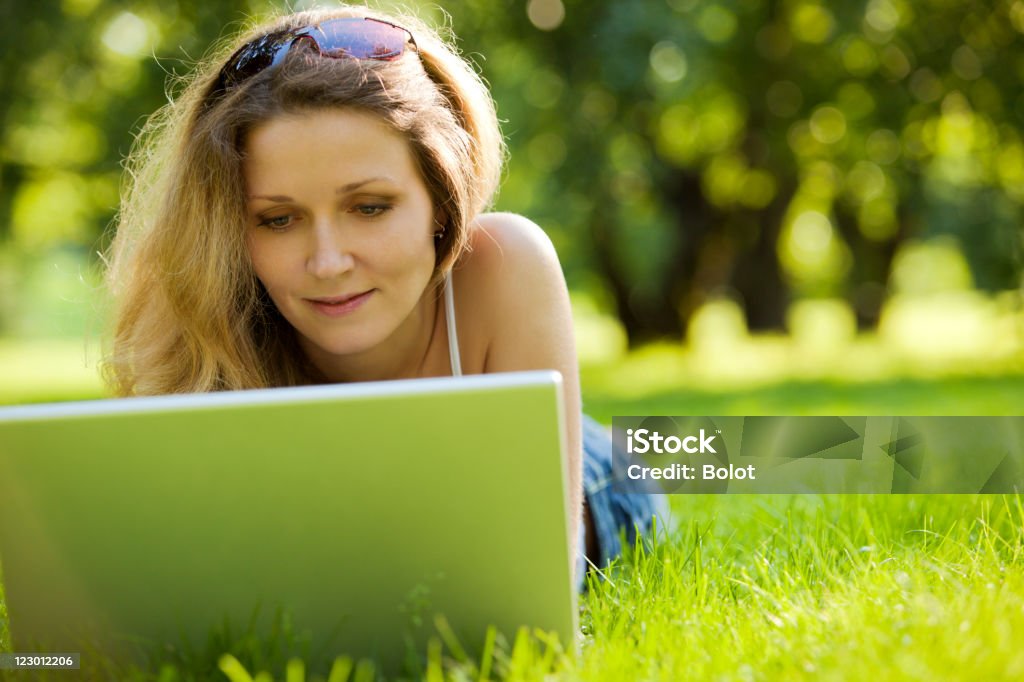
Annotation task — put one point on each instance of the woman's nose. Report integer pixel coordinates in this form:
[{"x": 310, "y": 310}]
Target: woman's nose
[{"x": 329, "y": 255}]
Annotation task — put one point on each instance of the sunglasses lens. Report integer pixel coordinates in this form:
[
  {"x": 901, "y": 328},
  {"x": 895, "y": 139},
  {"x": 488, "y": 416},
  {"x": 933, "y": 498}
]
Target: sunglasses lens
[
  {"x": 361, "y": 39},
  {"x": 254, "y": 57},
  {"x": 353, "y": 37}
]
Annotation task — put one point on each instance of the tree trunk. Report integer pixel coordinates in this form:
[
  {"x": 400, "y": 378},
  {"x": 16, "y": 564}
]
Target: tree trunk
[{"x": 757, "y": 276}]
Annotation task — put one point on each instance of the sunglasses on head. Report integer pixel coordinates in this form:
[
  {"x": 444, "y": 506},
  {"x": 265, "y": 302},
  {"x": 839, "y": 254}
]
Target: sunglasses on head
[{"x": 348, "y": 37}]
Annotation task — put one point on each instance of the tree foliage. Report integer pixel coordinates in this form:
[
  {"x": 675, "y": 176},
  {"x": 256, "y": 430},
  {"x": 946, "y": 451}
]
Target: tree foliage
[
  {"x": 763, "y": 149},
  {"x": 676, "y": 150}
]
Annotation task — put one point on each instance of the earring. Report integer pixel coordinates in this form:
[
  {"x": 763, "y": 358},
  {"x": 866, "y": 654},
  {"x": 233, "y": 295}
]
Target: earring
[{"x": 440, "y": 233}]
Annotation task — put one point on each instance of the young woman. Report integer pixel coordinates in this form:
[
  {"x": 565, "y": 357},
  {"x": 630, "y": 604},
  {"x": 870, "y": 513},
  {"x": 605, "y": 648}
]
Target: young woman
[{"x": 311, "y": 210}]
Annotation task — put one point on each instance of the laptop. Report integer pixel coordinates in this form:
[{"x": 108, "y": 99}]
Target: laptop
[{"x": 360, "y": 512}]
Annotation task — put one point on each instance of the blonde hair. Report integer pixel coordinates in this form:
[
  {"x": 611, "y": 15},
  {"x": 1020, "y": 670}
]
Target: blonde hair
[{"x": 190, "y": 314}]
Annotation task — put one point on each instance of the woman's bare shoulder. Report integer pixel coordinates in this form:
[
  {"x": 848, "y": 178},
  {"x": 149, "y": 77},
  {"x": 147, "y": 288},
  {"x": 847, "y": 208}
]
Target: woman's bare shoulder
[
  {"x": 504, "y": 248},
  {"x": 514, "y": 295}
]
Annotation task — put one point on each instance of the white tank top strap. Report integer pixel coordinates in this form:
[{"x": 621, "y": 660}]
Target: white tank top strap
[{"x": 449, "y": 316}]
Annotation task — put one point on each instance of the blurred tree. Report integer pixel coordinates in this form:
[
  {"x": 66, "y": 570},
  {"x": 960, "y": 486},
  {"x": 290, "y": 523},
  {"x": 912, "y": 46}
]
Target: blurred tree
[
  {"x": 676, "y": 150},
  {"x": 78, "y": 78},
  {"x": 759, "y": 149}
]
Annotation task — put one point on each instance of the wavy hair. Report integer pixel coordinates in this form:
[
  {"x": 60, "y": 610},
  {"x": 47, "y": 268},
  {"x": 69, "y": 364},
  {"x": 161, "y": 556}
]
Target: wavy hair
[{"x": 190, "y": 314}]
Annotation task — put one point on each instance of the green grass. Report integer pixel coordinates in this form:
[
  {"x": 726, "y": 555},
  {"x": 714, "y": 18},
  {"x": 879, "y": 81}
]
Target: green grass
[
  {"x": 812, "y": 588},
  {"x": 781, "y": 587},
  {"x": 982, "y": 396},
  {"x": 664, "y": 380},
  {"x": 48, "y": 371},
  {"x": 771, "y": 588}
]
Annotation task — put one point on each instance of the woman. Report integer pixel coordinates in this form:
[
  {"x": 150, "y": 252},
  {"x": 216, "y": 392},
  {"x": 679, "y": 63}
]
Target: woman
[{"x": 310, "y": 210}]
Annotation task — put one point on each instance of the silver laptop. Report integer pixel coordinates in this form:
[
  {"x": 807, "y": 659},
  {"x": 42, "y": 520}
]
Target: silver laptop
[{"x": 361, "y": 512}]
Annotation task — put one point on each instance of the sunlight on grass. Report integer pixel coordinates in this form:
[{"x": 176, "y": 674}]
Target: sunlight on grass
[
  {"x": 834, "y": 587},
  {"x": 950, "y": 335},
  {"x": 776, "y": 587},
  {"x": 953, "y": 334},
  {"x": 48, "y": 370}
]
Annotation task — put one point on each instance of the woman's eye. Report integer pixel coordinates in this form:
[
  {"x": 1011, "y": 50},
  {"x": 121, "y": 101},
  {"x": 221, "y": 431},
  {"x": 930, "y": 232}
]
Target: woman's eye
[
  {"x": 372, "y": 210},
  {"x": 277, "y": 223}
]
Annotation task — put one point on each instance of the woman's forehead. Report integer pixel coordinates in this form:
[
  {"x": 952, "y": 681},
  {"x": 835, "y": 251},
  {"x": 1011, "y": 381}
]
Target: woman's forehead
[{"x": 343, "y": 145}]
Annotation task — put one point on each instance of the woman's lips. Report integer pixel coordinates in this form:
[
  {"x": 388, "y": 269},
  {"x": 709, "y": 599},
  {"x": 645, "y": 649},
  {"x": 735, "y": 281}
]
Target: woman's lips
[{"x": 344, "y": 307}]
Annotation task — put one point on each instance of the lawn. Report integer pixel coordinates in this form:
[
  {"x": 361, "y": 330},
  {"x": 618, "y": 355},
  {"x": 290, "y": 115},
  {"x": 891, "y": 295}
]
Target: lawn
[
  {"x": 775, "y": 588},
  {"x": 761, "y": 587}
]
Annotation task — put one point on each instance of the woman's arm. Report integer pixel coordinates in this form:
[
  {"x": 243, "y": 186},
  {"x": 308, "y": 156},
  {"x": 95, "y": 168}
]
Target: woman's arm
[{"x": 520, "y": 298}]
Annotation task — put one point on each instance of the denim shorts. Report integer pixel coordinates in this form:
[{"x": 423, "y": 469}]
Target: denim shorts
[{"x": 615, "y": 514}]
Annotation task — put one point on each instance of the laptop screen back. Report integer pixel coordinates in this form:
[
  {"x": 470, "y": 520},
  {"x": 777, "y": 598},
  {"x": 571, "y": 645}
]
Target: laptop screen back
[{"x": 360, "y": 511}]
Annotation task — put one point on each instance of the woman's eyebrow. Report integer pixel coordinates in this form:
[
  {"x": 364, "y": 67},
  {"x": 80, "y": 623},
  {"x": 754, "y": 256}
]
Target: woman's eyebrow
[
  {"x": 341, "y": 190},
  {"x": 359, "y": 183}
]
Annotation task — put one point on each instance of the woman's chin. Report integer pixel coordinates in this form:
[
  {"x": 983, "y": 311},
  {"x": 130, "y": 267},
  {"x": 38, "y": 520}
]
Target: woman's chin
[{"x": 326, "y": 348}]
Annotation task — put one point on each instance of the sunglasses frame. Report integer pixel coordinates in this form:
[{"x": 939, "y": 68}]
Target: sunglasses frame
[{"x": 269, "y": 51}]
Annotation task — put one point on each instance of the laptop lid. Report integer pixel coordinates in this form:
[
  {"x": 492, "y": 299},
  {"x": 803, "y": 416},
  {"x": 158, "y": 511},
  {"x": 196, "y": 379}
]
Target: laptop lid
[{"x": 361, "y": 511}]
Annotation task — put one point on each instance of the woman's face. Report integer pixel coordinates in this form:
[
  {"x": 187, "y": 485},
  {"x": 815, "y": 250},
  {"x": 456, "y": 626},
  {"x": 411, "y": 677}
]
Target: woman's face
[{"x": 341, "y": 228}]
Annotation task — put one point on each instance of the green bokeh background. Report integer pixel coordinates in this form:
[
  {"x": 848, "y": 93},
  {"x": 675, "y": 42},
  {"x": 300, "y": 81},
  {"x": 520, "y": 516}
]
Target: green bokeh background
[{"x": 743, "y": 193}]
